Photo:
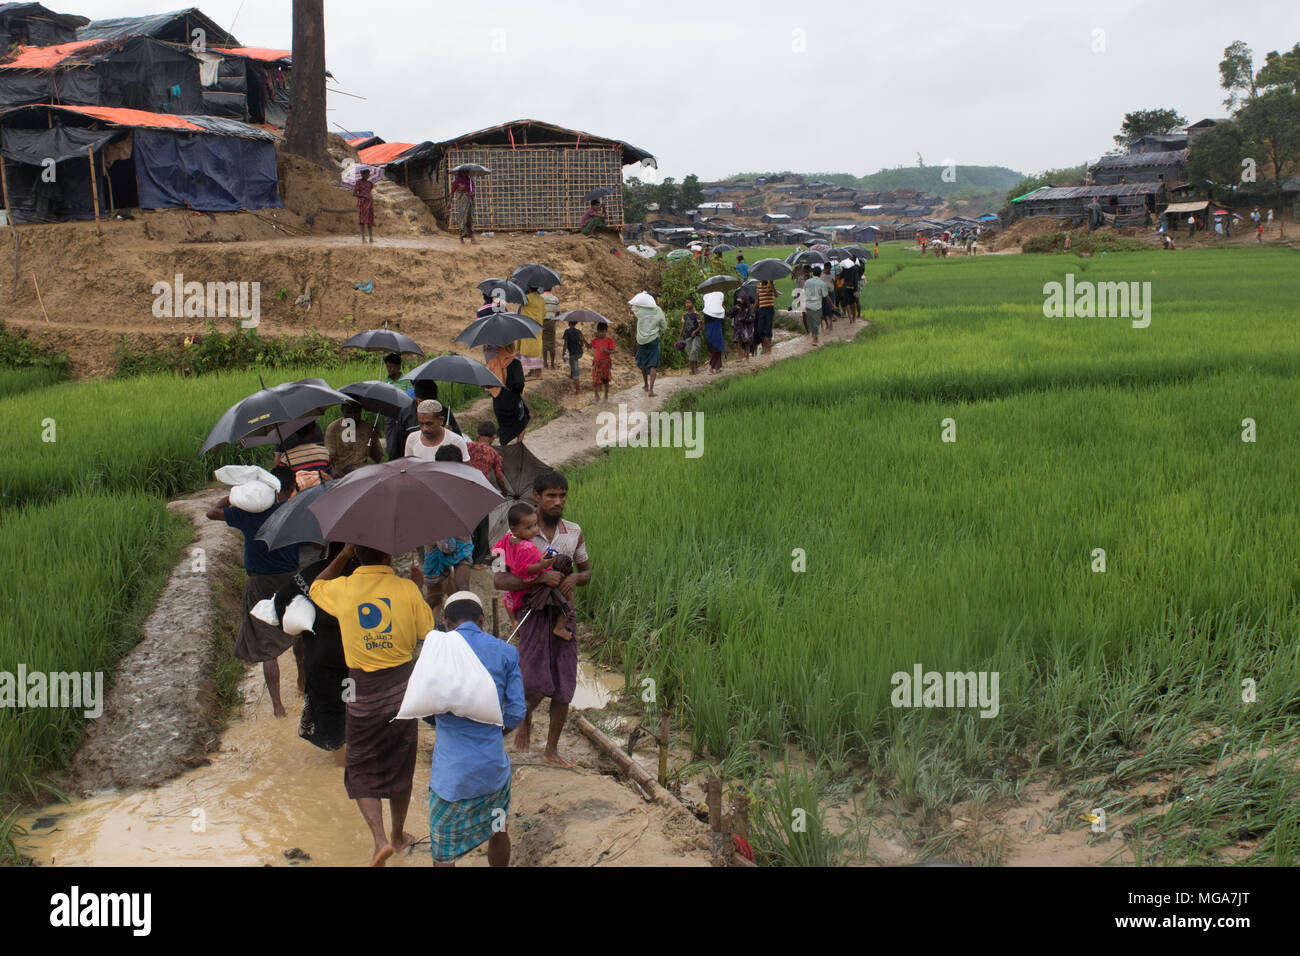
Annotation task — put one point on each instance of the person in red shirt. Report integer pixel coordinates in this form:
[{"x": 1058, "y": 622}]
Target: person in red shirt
[
  {"x": 487, "y": 460},
  {"x": 602, "y": 366}
]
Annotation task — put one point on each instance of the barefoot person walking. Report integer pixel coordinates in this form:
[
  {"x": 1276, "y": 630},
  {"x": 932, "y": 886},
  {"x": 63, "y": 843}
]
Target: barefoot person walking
[
  {"x": 549, "y": 663},
  {"x": 364, "y": 191},
  {"x": 381, "y": 618},
  {"x": 650, "y": 325}
]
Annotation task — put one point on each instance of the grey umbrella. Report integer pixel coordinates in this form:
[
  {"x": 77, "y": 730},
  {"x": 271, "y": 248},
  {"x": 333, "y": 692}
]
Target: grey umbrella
[
  {"x": 581, "y": 315},
  {"x": 383, "y": 340},
  {"x": 810, "y": 257},
  {"x": 455, "y": 368},
  {"x": 838, "y": 254},
  {"x": 534, "y": 276},
  {"x": 499, "y": 328},
  {"x": 503, "y": 289},
  {"x": 860, "y": 252},
  {"x": 471, "y": 169},
  {"x": 722, "y": 247},
  {"x": 399, "y": 505},
  {"x": 271, "y": 438},
  {"x": 600, "y": 192},
  {"x": 375, "y": 396},
  {"x": 293, "y": 522},
  {"x": 769, "y": 270},
  {"x": 264, "y": 411},
  {"x": 718, "y": 284}
]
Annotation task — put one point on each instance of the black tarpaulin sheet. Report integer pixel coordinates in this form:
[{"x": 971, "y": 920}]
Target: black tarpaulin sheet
[
  {"x": 35, "y": 146},
  {"x": 24, "y": 87},
  {"x": 67, "y": 196},
  {"x": 207, "y": 173},
  {"x": 151, "y": 76}
]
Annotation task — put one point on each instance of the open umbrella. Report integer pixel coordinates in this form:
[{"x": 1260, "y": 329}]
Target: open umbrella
[
  {"x": 534, "y": 276},
  {"x": 838, "y": 254},
  {"x": 471, "y": 169},
  {"x": 722, "y": 247},
  {"x": 600, "y": 192},
  {"x": 679, "y": 254},
  {"x": 375, "y": 396},
  {"x": 750, "y": 287},
  {"x": 810, "y": 257},
  {"x": 499, "y": 328},
  {"x": 265, "y": 410},
  {"x": 820, "y": 246},
  {"x": 718, "y": 284},
  {"x": 860, "y": 252},
  {"x": 352, "y": 174},
  {"x": 271, "y": 438},
  {"x": 293, "y": 522},
  {"x": 581, "y": 315},
  {"x": 769, "y": 270},
  {"x": 455, "y": 368},
  {"x": 399, "y": 505},
  {"x": 509, "y": 291},
  {"x": 383, "y": 340}
]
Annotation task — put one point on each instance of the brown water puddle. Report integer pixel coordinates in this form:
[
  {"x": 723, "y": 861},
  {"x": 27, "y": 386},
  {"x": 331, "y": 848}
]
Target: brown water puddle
[{"x": 266, "y": 793}]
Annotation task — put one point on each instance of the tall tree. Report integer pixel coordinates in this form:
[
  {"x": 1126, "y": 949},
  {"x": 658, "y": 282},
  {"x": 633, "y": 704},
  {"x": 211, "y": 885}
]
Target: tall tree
[
  {"x": 1141, "y": 123},
  {"x": 666, "y": 195},
  {"x": 1215, "y": 159},
  {"x": 1281, "y": 69},
  {"x": 305, "y": 131},
  {"x": 1237, "y": 73},
  {"x": 692, "y": 193},
  {"x": 1272, "y": 120}
]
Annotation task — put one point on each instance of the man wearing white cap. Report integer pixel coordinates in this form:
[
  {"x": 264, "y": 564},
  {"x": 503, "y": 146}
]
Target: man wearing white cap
[
  {"x": 433, "y": 433},
  {"x": 469, "y": 783},
  {"x": 650, "y": 324}
]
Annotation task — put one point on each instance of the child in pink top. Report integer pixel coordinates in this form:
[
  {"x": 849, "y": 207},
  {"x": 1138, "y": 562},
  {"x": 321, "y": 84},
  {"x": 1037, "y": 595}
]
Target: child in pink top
[{"x": 525, "y": 562}]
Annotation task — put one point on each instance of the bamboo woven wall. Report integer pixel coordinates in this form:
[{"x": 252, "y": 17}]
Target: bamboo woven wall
[{"x": 533, "y": 188}]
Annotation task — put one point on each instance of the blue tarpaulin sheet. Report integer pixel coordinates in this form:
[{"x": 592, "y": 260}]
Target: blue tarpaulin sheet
[{"x": 207, "y": 173}]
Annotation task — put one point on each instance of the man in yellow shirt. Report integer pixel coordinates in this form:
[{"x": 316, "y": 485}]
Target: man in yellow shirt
[{"x": 381, "y": 618}]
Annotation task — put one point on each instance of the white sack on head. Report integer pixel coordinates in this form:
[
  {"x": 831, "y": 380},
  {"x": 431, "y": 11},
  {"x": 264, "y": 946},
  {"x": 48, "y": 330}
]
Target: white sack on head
[
  {"x": 448, "y": 677},
  {"x": 299, "y": 616},
  {"x": 242, "y": 474},
  {"x": 642, "y": 298},
  {"x": 264, "y": 611},
  {"x": 253, "y": 496}
]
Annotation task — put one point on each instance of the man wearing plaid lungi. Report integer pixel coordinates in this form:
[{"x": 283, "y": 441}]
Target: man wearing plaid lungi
[{"x": 469, "y": 784}]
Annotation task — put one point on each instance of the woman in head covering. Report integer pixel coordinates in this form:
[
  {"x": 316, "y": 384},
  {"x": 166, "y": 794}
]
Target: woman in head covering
[
  {"x": 463, "y": 185},
  {"x": 508, "y": 403},
  {"x": 713, "y": 315}
]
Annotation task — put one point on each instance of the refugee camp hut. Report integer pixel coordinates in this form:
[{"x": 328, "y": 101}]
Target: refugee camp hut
[
  {"x": 1131, "y": 204},
  {"x": 187, "y": 27},
  {"x": 1199, "y": 127},
  {"x": 138, "y": 73},
  {"x": 131, "y": 159},
  {"x": 1158, "y": 143},
  {"x": 30, "y": 24},
  {"x": 411, "y": 164},
  {"x": 1150, "y": 167},
  {"x": 247, "y": 83},
  {"x": 540, "y": 174}
]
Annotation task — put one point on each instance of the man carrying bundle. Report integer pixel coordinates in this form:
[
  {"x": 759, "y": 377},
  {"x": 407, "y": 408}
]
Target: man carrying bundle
[
  {"x": 469, "y": 783},
  {"x": 381, "y": 618}
]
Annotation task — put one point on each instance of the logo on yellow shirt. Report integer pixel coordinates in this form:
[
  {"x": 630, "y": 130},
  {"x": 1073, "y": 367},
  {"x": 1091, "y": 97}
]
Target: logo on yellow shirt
[{"x": 376, "y": 619}]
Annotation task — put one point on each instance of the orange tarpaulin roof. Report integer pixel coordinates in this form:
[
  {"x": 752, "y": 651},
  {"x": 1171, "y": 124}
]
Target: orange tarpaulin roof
[
  {"x": 255, "y": 52},
  {"x": 383, "y": 153},
  {"x": 125, "y": 117},
  {"x": 44, "y": 57}
]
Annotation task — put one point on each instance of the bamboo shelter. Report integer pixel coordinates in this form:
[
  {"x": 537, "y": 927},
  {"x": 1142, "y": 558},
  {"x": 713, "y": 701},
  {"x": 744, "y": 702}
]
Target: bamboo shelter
[{"x": 540, "y": 175}]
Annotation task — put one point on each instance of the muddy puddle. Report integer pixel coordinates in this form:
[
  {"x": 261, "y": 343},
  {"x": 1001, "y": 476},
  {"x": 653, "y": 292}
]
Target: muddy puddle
[{"x": 268, "y": 798}]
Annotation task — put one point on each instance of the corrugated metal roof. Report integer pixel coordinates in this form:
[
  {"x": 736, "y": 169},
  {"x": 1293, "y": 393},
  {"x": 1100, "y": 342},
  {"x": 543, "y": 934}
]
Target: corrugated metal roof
[
  {"x": 1051, "y": 193},
  {"x": 1177, "y": 207}
]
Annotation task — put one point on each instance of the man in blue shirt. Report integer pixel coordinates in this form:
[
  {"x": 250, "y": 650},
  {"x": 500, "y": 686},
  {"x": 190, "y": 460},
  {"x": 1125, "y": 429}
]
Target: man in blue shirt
[
  {"x": 469, "y": 784},
  {"x": 268, "y": 571}
]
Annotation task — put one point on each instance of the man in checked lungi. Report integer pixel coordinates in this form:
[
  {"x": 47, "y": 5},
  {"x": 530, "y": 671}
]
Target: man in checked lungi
[
  {"x": 469, "y": 784},
  {"x": 381, "y": 618}
]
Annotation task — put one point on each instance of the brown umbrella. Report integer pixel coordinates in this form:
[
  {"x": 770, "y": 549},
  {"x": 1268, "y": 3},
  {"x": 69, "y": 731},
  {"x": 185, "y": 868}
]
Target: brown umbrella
[{"x": 398, "y": 505}]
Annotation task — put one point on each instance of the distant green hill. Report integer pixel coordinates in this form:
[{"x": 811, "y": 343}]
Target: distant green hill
[{"x": 927, "y": 179}]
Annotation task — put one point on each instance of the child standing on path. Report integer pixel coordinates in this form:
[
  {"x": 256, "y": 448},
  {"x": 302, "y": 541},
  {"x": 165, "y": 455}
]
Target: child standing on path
[{"x": 602, "y": 348}]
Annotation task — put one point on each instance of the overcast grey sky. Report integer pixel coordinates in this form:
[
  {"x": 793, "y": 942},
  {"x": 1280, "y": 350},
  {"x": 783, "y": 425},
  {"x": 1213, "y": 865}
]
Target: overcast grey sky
[{"x": 717, "y": 88}]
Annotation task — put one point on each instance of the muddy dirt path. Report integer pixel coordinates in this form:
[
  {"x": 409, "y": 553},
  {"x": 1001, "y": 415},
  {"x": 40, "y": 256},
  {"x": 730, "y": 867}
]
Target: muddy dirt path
[{"x": 158, "y": 788}]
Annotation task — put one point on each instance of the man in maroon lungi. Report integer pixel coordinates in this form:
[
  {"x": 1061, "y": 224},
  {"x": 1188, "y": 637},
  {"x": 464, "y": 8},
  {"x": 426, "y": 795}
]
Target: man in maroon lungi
[{"x": 549, "y": 663}]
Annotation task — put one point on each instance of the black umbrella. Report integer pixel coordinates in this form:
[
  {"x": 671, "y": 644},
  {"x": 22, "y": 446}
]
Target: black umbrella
[
  {"x": 374, "y": 396},
  {"x": 471, "y": 169},
  {"x": 534, "y": 276},
  {"x": 860, "y": 252},
  {"x": 398, "y": 505},
  {"x": 264, "y": 411},
  {"x": 581, "y": 315},
  {"x": 499, "y": 328},
  {"x": 456, "y": 368},
  {"x": 769, "y": 270},
  {"x": 718, "y": 284},
  {"x": 750, "y": 287},
  {"x": 838, "y": 254},
  {"x": 600, "y": 192},
  {"x": 509, "y": 291},
  {"x": 293, "y": 522},
  {"x": 810, "y": 257},
  {"x": 271, "y": 438},
  {"x": 722, "y": 247},
  {"x": 383, "y": 340}
]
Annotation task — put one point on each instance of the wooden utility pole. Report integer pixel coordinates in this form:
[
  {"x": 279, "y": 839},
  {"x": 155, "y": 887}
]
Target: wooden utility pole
[{"x": 305, "y": 130}]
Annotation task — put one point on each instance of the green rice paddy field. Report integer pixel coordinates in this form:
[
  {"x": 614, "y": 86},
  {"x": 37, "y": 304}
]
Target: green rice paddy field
[{"x": 979, "y": 554}]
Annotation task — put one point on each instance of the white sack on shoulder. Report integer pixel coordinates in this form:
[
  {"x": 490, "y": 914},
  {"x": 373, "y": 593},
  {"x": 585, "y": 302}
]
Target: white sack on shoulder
[
  {"x": 448, "y": 677},
  {"x": 242, "y": 474},
  {"x": 299, "y": 616},
  {"x": 253, "y": 497}
]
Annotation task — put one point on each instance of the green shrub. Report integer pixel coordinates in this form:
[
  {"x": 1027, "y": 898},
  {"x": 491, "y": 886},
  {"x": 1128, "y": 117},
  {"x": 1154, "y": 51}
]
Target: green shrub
[
  {"x": 215, "y": 351},
  {"x": 18, "y": 351}
]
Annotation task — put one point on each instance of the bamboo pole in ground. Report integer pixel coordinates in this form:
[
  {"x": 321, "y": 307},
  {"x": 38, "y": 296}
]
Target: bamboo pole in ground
[
  {"x": 664, "y": 727},
  {"x": 103, "y": 169},
  {"x": 94, "y": 180},
  {"x": 39, "y": 299},
  {"x": 625, "y": 763}
]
